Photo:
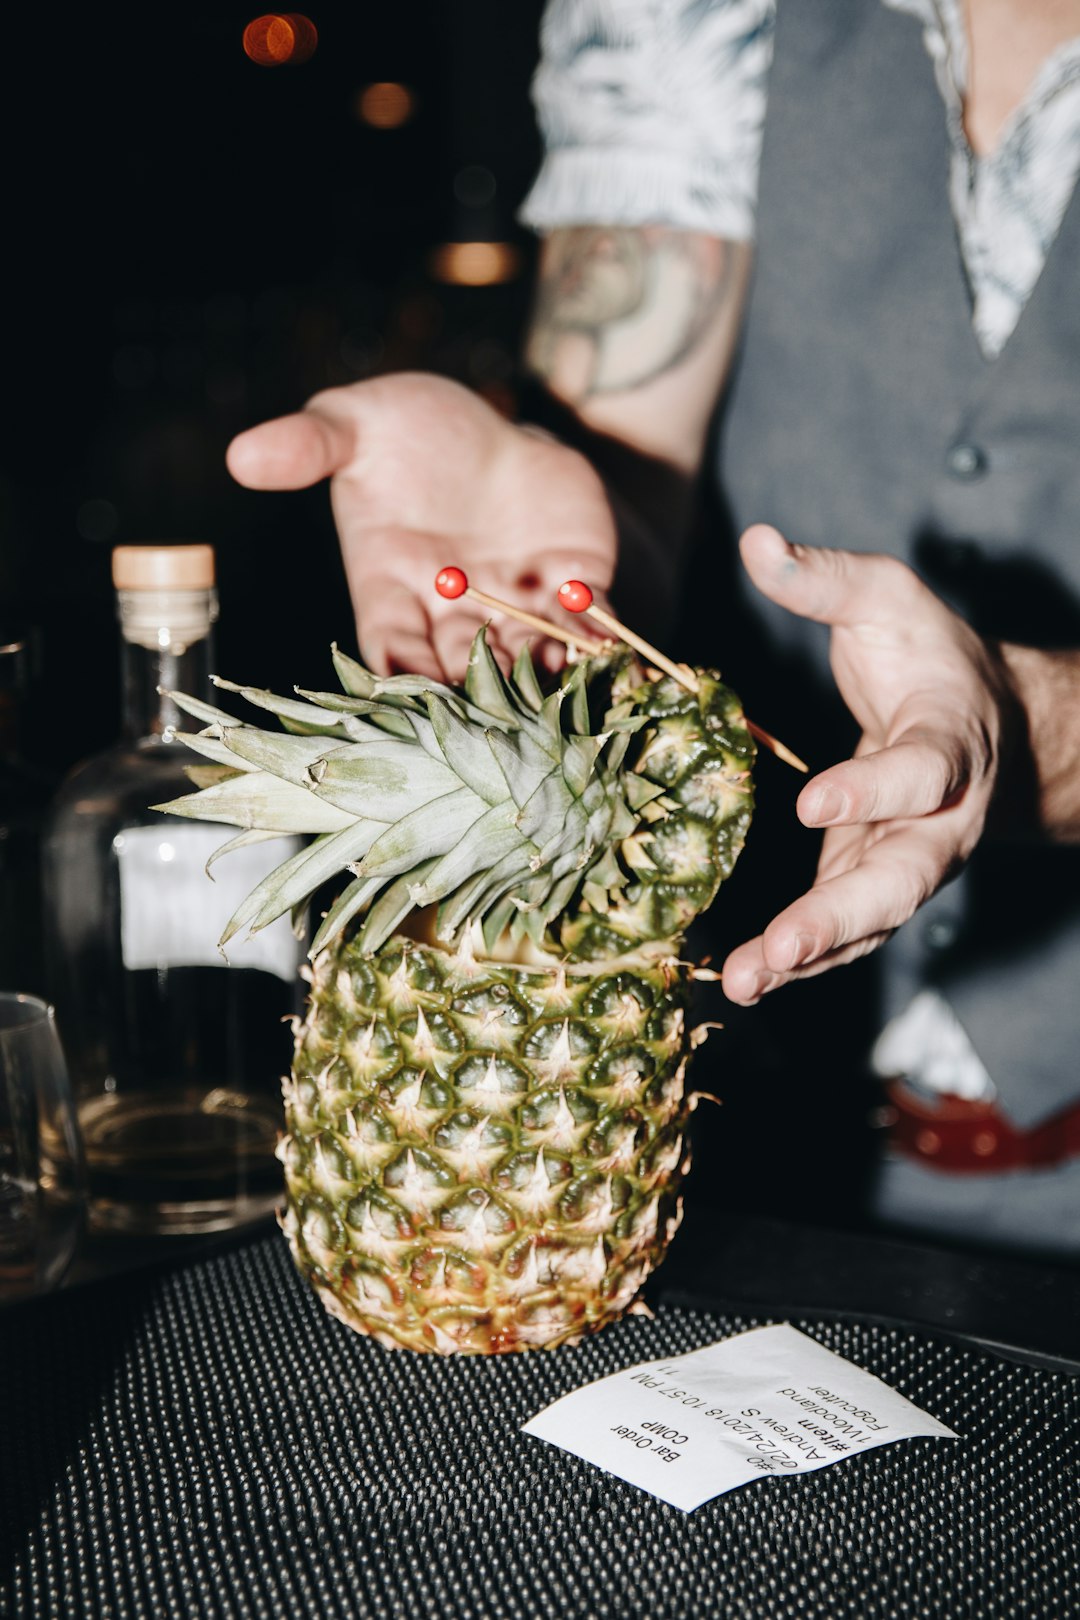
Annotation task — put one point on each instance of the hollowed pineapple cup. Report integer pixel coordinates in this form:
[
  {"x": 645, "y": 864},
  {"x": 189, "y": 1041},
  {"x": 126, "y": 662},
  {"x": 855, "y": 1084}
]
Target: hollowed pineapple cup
[
  {"x": 485, "y": 1143},
  {"x": 485, "y": 1156}
]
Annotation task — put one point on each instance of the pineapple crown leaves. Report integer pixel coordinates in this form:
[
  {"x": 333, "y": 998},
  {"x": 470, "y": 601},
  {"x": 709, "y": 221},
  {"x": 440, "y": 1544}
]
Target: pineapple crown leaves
[{"x": 497, "y": 804}]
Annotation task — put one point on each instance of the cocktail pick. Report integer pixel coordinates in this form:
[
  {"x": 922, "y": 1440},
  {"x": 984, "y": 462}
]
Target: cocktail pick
[
  {"x": 453, "y": 582},
  {"x": 775, "y": 746},
  {"x": 576, "y": 597}
]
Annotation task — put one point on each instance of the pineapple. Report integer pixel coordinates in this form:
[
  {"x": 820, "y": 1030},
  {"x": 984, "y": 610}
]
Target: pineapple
[{"x": 486, "y": 1112}]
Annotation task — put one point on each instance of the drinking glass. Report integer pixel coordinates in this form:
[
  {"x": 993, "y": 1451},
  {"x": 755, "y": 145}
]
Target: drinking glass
[{"x": 42, "y": 1176}]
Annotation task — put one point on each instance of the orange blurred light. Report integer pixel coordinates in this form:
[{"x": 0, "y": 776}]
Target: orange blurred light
[
  {"x": 385, "y": 105},
  {"x": 280, "y": 39},
  {"x": 475, "y": 264}
]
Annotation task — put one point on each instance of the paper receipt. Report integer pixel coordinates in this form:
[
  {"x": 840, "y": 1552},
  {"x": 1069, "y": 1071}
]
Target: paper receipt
[{"x": 764, "y": 1403}]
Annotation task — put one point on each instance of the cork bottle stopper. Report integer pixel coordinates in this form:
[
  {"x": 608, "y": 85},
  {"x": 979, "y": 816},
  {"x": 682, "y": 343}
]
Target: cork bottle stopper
[{"x": 163, "y": 568}]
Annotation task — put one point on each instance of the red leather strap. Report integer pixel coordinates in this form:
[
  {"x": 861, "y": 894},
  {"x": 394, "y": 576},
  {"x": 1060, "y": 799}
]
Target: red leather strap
[{"x": 975, "y": 1137}]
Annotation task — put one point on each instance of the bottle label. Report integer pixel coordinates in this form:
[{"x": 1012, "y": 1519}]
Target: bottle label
[{"x": 172, "y": 914}]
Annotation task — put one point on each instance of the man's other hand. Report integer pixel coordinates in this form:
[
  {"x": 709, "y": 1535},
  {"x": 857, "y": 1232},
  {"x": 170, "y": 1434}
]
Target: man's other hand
[{"x": 937, "y": 709}]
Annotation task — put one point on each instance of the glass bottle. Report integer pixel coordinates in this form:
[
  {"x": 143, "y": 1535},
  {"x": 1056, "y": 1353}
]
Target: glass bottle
[{"x": 176, "y": 1054}]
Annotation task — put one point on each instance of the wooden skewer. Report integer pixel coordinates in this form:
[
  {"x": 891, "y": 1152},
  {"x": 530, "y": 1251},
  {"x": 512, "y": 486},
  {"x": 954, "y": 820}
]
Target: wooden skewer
[
  {"x": 452, "y": 583},
  {"x": 778, "y": 748},
  {"x": 576, "y": 597}
]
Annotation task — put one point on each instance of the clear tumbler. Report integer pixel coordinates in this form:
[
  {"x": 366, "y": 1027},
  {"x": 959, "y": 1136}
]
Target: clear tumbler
[{"x": 42, "y": 1176}]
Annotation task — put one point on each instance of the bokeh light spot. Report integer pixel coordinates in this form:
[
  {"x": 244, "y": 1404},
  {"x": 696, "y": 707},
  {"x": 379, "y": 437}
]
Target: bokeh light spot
[
  {"x": 280, "y": 39},
  {"x": 475, "y": 264},
  {"x": 385, "y": 105}
]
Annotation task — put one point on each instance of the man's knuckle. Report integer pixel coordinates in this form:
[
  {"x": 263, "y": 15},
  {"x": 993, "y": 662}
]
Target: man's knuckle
[
  {"x": 909, "y": 885},
  {"x": 946, "y": 772}
]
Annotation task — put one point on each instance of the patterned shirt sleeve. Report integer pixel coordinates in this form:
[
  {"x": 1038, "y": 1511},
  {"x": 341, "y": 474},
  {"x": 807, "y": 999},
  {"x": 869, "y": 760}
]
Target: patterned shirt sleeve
[{"x": 651, "y": 112}]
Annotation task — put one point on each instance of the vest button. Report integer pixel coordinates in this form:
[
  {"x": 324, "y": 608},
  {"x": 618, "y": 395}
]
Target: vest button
[
  {"x": 941, "y": 933},
  {"x": 966, "y": 460}
]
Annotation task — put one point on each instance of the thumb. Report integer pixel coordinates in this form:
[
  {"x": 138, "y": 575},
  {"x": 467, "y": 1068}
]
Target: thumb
[
  {"x": 292, "y": 452},
  {"x": 833, "y": 587}
]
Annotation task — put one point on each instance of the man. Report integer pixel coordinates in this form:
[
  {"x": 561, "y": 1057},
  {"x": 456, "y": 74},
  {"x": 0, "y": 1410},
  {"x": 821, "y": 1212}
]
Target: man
[{"x": 902, "y": 379}]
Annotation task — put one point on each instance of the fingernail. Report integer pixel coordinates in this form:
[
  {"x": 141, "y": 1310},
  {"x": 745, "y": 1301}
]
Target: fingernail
[
  {"x": 763, "y": 983},
  {"x": 802, "y": 949},
  {"x": 831, "y": 804}
]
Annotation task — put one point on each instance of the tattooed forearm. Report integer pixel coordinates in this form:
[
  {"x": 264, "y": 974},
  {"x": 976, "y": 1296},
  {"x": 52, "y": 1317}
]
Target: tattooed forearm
[{"x": 618, "y": 307}]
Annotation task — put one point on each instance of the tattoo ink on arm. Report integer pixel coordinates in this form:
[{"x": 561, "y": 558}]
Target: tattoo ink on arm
[{"x": 619, "y": 307}]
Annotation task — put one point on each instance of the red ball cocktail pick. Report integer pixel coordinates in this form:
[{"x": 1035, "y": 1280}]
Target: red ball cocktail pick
[
  {"x": 576, "y": 597},
  {"x": 453, "y": 582}
]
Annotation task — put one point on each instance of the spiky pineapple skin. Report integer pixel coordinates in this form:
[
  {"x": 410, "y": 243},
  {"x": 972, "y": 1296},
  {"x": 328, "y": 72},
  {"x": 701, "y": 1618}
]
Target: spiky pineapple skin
[{"x": 483, "y": 1157}]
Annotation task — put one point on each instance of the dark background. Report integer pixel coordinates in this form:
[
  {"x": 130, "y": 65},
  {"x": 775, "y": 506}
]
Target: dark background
[{"x": 195, "y": 243}]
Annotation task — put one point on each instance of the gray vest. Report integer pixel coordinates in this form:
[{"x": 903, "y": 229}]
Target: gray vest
[{"x": 862, "y": 414}]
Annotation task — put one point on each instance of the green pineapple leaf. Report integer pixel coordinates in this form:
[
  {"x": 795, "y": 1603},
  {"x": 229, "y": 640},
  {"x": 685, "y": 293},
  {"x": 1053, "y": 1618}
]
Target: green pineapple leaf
[
  {"x": 484, "y": 684},
  {"x": 495, "y": 804}
]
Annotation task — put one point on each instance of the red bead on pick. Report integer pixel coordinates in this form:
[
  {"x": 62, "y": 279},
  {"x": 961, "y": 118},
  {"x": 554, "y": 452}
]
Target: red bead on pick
[
  {"x": 451, "y": 582},
  {"x": 575, "y": 596}
]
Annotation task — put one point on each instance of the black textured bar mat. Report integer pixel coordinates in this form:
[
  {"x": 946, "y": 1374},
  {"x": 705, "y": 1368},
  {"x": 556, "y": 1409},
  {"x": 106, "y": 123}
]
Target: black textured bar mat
[{"x": 208, "y": 1442}]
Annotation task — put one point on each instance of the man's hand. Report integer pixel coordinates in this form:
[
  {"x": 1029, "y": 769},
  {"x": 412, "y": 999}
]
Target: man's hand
[
  {"x": 938, "y": 710},
  {"x": 423, "y": 473}
]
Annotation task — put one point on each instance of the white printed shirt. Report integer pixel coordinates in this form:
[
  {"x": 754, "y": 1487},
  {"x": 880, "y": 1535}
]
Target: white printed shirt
[{"x": 652, "y": 113}]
